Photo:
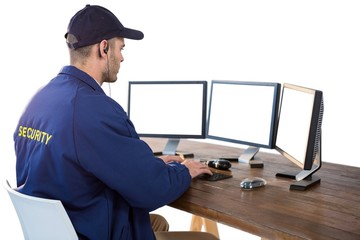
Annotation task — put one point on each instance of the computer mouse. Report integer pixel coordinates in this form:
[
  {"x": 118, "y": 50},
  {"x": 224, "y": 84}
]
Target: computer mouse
[
  {"x": 252, "y": 182},
  {"x": 221, "y": 164}
]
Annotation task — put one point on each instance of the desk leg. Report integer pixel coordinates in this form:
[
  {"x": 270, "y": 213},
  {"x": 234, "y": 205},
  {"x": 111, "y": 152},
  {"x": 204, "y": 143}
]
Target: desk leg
[{"x": 198, "y": 222}]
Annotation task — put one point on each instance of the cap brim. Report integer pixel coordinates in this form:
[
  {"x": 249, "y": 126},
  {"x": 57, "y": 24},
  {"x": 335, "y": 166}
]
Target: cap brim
[{"x": 131, "y": 34}]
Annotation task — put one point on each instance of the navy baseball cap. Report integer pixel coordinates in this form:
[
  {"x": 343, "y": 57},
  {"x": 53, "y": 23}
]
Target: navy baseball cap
[{"x": 93, "y": 23}]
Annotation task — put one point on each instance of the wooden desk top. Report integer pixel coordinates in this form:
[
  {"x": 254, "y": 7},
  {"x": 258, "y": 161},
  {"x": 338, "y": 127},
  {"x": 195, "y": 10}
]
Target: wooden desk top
[{"x": 329, "y": 210}]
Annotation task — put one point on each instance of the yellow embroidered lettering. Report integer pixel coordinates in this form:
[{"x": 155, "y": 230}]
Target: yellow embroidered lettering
[
  {"x": 24, "y": 130},
  {"x": 43, "y": 135},
  {"x": 29, "y": 132},
  {"x": 48, "y": 138},
  {"x": 34, "y": 134},
  {"x": 20, "y": 129},
  {"x": 38, "y": 135}
]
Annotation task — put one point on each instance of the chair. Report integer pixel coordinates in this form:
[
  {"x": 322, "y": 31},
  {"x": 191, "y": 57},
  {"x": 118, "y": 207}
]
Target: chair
[
  {"x": 41, "y": 218},
  {"x": 44, "y": 219}
]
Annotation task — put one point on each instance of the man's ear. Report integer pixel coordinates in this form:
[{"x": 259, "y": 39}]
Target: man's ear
[{"x": 104, "y": 47}]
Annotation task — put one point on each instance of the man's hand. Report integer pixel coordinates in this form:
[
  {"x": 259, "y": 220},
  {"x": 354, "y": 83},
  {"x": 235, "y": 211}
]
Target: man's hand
[
  {"x": 196, "y": 168},
  {"x": 171, "y": 158}
]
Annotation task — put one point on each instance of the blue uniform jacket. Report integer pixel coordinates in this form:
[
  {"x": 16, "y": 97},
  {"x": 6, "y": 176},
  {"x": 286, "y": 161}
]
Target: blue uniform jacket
[{"x": 76, "y": 144}]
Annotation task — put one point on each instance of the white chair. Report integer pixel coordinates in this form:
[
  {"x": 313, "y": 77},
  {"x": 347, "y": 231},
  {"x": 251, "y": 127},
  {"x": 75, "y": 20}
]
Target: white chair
[
  {"x": 45, "y": 219},
  {"x": 40, "y": 218}
]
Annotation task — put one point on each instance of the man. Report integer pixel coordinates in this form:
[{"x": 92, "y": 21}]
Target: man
[{"x": 76, "y": 144}]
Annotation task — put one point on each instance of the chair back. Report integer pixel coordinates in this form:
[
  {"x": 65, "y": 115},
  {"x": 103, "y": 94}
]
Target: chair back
[{"x": 40, "y": 218}]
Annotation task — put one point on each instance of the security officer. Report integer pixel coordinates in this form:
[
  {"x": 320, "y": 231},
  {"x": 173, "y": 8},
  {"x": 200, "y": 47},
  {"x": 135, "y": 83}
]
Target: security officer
[{"x": 76, "y": 144}]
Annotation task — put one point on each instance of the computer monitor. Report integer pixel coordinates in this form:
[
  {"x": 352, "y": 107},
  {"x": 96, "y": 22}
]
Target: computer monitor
[
  {"x": 299, "y": 133},
  {"x": 245, "y": 113},
  {"x": 168, "y": 109}
]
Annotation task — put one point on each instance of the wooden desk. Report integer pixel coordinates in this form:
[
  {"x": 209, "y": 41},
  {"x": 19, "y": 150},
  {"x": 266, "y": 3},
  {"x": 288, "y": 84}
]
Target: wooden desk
[{"x": 330, "y": 210}]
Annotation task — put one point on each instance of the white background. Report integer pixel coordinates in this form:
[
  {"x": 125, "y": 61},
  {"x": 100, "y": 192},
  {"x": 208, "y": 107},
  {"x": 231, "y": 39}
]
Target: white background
[{"x": 310, "y": 43}]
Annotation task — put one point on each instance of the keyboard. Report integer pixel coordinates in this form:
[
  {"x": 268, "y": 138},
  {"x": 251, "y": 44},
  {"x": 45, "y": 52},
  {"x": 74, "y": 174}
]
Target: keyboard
[{"x": 215, "y": 177}]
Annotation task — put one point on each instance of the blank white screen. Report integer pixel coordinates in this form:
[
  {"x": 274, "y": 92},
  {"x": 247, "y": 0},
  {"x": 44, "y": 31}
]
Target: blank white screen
[
  {"x": 167, "y": 109},
  {"x": 241, "y": 112},
  {"x": 294, "y": 123}
]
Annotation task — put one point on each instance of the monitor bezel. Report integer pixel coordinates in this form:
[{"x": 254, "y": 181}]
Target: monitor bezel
[
  {"x": 312, "y": 161},
  {"x": 272, "y": 130},
  {"x": 201, "y": 135}
]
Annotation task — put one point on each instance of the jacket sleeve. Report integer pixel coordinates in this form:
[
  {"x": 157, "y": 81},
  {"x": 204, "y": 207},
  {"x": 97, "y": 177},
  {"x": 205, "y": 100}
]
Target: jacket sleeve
[{"x": 109, "y": 148}]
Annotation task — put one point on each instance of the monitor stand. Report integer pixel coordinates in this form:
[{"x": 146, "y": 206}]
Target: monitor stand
[
  {"x": 170, "y": 149},
  {"x": 305, "y": 179},
  {"x": 248, "y": 157},
  {"x": 303, "y": 184}
]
